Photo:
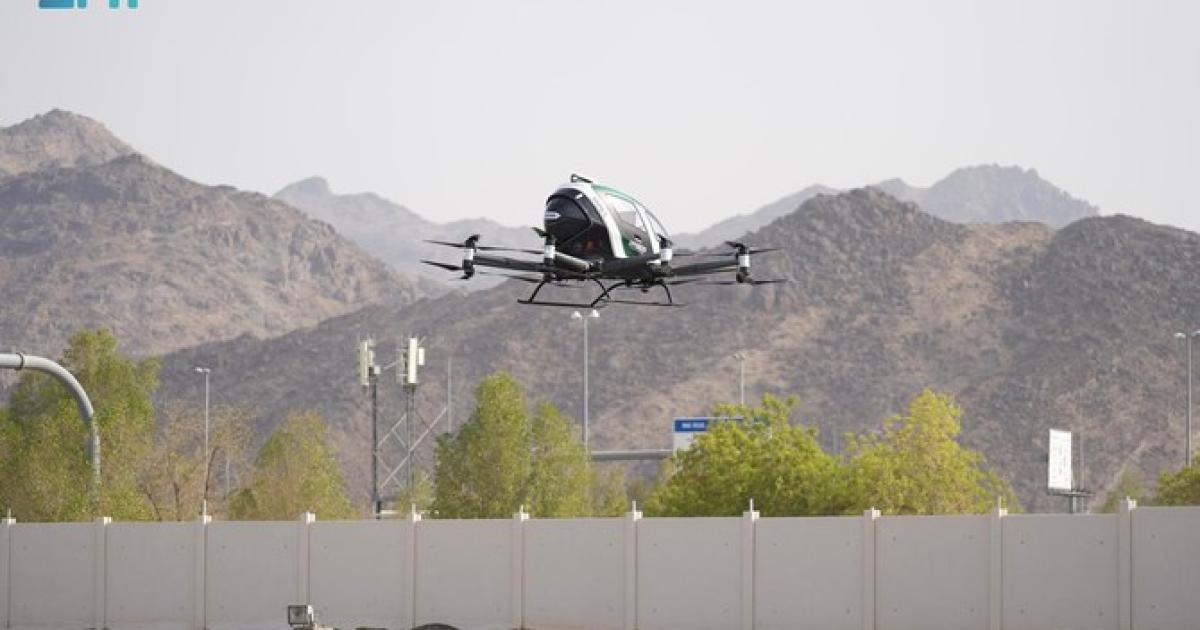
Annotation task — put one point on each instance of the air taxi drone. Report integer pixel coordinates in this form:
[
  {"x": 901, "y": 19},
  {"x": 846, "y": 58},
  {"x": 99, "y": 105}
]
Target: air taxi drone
[{"x": 593, "y": 233}]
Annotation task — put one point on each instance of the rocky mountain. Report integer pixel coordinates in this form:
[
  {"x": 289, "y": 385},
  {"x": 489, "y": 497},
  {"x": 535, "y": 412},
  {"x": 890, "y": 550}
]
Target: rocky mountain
[
  {"x": 1029, "y": 327},
  {"x": 56, "y": 139},
  {"x": 92, "y": 234},
  {"x": 736, "y": 226},
  {"x": 395, "y": 234},
  {"x": 976, "y": 194},
  {"x": 994, "y": 194}
]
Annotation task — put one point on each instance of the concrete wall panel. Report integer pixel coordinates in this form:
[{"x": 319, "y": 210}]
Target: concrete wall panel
[
  {"x": 1060, "y": 572},
  {"x": 808, "y": 573},
  {"x": 464, "y": 572},
  {"x": 689, "y": 573},
  {"x": 931, "y": 572},
  {"x": 575, "y": 573},
  {"x": 252, "y": 574},
  {"x": 358, "y": 573},
  {"x": 1166, "y": 568},
  {"x": 149, "y": 575},
  {"x": 52, "y": 575}
]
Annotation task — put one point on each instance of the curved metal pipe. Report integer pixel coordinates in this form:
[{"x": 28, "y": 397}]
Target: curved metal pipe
[{"x": 18, "y": 361}]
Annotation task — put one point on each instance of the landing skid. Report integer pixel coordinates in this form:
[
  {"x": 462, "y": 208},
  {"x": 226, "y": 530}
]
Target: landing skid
[{"x": 605, "y": 298}]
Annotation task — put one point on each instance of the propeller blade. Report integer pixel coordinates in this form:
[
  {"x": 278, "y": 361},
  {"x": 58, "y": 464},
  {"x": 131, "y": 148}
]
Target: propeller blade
[
  {"x": 445, "y": 266},
  {"x": 484, "y": 248},
  {"x": 729, "y": 283},
  {"x": 509, "y": 275},
  {"x": 736, "y": 252},
  {"x": 447, "y": 244}
]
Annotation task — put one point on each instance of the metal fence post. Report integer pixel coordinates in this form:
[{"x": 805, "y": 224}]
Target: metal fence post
[
  {"x": 306, "y": 521},
  {"x": 516, "y": 581},
  {"x": 631, "y": 558},
  {"x": 868, "y": 568},
  {"x": 5, "y": 571},
  {"x": 200, "y": 572},
  {"x": 1125, "y": 562},
  {"x": 996, "y": 568},
  {"x": 410, "y": 563},
  {"x": 100, "y": 553},
  {"x": 748, "y": 520}
]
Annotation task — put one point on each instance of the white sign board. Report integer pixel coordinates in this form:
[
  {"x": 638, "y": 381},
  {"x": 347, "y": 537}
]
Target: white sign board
[
  {"x": 686, "y": 430},
  {"x": 1059, "y": 469}
]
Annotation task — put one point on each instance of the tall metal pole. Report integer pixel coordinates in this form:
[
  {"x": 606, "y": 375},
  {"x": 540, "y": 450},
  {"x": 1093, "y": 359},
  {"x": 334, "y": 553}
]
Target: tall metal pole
[
  {"x": 204, "y": 500},
  {"x": 410, "y": 417},
  {"x": 207, "y": 454},
  {"x": 585, "y": 383},
  {"x": 1187, "y": 438},
  {"x": 1187, "y": 441},
  {"x": 376, "y": 505}
]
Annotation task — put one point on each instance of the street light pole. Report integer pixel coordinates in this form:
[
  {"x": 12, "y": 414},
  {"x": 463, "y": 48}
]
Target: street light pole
[
  {"x": 592, "y": 315},
  {"x": 1187, "y": 439},
  {"x": 204, "y": 502}
]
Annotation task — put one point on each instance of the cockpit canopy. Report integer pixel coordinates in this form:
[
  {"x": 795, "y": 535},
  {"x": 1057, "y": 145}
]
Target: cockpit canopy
[{"x": 591, "y": 220}]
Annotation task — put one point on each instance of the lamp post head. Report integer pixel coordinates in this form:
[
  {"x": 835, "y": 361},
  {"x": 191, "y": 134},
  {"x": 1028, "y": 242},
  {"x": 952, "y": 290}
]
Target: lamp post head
[
  {"x": 202, "y": 370},
  {"x": 576, "y": 315},
  {"x": 596, "y": 315}
]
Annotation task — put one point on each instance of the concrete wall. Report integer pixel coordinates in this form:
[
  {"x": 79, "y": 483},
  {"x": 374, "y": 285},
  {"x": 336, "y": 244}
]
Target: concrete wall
[
  {"x": 808, "y": 573},
  {"x": 575, "y": 572},
  {"x": 1166, "y": 568},
  {"x": 1138, "y": 569}
]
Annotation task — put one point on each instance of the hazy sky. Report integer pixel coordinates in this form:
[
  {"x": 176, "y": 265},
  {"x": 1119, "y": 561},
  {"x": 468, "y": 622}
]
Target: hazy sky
[{"x": 700, "y": 109}]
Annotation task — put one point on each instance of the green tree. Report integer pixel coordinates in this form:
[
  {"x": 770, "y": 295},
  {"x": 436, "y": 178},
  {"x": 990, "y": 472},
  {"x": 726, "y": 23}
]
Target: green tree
[
  {"x": 172, "y": 475},
  {"x": 1181, "y": 487},
  {"x": 419, "y": 495},
  {"x": 916, "y": 465},
  {"x": 504, "y": 458},
  {"x": 560, "y": 475},
  {"x": 762, "y": 457},
  {"x": 610, "y": 492},
  {"x": 294, "y": 472},
  {"x": 1129, "y": 484},
  {"x": 45, "y": 469}
]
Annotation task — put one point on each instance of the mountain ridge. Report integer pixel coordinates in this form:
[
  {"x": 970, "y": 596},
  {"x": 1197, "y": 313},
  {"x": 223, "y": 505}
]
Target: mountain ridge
[
  {"x": 394, "y": 233},
  {"x": 88, "y": 239},
  {"x": 987, "y": 193},
  {"x": 57, "y": 138}
]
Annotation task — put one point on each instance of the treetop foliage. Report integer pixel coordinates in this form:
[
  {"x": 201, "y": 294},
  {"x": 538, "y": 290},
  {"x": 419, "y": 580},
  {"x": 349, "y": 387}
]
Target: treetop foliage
[
  {"x": 756, "y": 454},
  {"x": 1181, "y": 487},
  {"x": 46, "y": 473},
  {"x": 295, "y": 472},
  {"x": 915, "y": 465},
  {"x": 505, "y": 457},
  {"x": 146, "y": 472}
]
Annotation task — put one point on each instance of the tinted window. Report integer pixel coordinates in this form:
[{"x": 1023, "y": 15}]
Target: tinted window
[{"x": 624, "y": 210}]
